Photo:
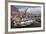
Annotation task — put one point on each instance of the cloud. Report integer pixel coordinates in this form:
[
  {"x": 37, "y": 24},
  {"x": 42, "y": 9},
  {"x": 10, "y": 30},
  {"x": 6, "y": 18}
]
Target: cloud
[{"x": 34, "y": 10}]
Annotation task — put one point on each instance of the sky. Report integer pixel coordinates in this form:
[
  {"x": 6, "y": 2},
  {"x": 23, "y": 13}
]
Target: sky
[{"x": 30, "y": 9}]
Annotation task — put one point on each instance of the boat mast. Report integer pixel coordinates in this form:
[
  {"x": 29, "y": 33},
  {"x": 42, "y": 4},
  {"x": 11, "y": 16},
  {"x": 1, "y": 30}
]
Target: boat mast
[{"x": 25, "y": 12}]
